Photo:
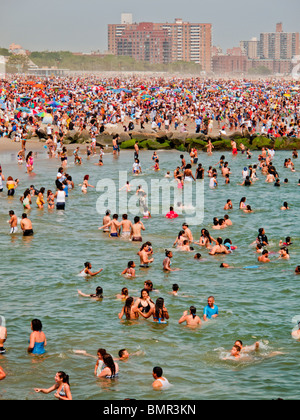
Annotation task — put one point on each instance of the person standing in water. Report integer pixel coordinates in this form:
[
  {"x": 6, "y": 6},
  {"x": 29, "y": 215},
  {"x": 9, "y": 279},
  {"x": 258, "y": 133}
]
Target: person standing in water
[
  {"x": 61, "y": 386},
  {"x": 37, "y": 340},
  {"x": 191, "y": 319},
  {"x": 159, "y": 382},
  {"x": 211, "y": 310},
  {"x": 3, "y": 334}
]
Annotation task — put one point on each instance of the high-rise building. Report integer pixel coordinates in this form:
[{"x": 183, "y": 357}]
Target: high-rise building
[
  {"x": 178, "y": 41},
  {"x": 145, "y": 42},
  {"x": 250, "y": 48},
  {"x": 278, "y": 45}
]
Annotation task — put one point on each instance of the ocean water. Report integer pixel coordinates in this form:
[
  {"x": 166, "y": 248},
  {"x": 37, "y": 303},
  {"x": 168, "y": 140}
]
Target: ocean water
[{"x": 39, "y": 279}]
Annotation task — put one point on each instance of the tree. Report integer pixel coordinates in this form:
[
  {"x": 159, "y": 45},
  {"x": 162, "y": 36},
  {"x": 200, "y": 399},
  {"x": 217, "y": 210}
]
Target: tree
[{"x": 260, "y": 70}]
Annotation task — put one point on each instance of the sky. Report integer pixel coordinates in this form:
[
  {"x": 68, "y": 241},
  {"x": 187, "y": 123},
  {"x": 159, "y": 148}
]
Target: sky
[{"x": 81, "y": 25}]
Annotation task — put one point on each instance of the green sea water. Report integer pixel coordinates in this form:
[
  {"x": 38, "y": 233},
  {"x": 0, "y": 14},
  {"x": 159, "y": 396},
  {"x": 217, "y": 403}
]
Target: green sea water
[{"x": 39, "y": 279}]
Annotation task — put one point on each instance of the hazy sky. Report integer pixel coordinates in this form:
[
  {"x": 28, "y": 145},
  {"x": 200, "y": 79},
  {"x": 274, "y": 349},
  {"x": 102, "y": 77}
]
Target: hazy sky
[{"x": 81, "y": 25}]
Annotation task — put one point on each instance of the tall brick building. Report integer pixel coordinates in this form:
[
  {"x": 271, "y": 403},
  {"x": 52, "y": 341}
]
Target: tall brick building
[{"x": 163, "y": 42}]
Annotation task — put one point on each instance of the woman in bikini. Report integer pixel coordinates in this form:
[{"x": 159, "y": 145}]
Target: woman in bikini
[
  {"x": 61, "y": 386},
  {"x": 159, "y": 312}
]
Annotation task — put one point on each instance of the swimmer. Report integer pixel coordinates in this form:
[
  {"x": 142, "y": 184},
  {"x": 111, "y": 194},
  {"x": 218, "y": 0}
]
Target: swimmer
[
  {"x": 123, "y": 354},
  {"x": 114, "y": 226},
  {"x": 2, "y": 374},
  {"x": 259, "y": 248},
  {"x": 61, "y": 386},
  {"x": 171, "y": 214},
  {"x": 197, "y": 256},
  {"x": 296, "y": 333},
  {"x": 77, "y": 158},
  {"x": 262, "y": 238},
  {"x": 219, "y": 248},
  {"x": 37, "y": 340},
  {"x": 159, "y": 312},
  {"x": 179, "y": 240},
  {"x": 228, "y": 222},
  {"x": 3, "y": 334},
  {"x": 191, "y": 319},
  {"x": 87, "y": 270},
  {"x": 123, "y": 295},
  {"x": 159, "y": 382},
  {"x": 248, "y": 209},
  {"x": 13, "y": 221},
  {"x": 247, "y": 349},
  {"x": 185, "y": 246},
  {"x": 167, "y": 261},
  {"x": 126, "y": 226},
  {"x": 97, "y": 295},
  {"x": 228, "y": 205},
  {"x": 146, "y": 213},
  {"x": 40, "y": 198},
  {"x": 136, "y": 228},
  {"x": 287, "y": 241},
  {"x": 284, "y": 253},
  {"x": 210, "y": 310},
  {"x": 143, "y": 254},
  {"x": 144, "y": 303},
  {"x": 50, "y": 200},
  {"x": 106, "y": 220},
  {"x": 129, "y": 271},
  {"x": 85, "y": 184},
  {"x": 26, "y": 225},
  {"x": 175, "y": 289},
  {"x": 242, "y": 204},
  {"x": 225, "y": 265},
  {"x": 285, "y": 206},
  {"x": 110, "y": 369},
  {"x": 129, "y": 310},
  {"x": 264, "y": 257},
  {"x": 205, "y": 239},
  {"x": 127, "y": 186},
  {"x": 234, "y": 354},
  {"x": 99, "y": 364},
  {"x": 187, "y": 232}
]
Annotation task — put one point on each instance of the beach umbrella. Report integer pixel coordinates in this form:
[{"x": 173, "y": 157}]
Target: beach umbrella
[
  {"x": 25, "y": 99},
  {"x": 23, "y": 109}
]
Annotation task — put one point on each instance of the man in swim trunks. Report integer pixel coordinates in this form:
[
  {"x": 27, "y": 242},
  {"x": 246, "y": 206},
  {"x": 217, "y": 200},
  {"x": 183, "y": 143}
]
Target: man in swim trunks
[
  {"x": 114, "y": 226},
  {"x": 115, "y": 144},
  {"x": 126, "y": 226},
  {"x": 13, "y": 222},
  {"x": 26, "y": 225},
  {"x": 234, "y": 148},
  {"x": 106, "y": 220},
  {"x": 144, "y": 256},
  {"x": 136, "y": 228}
]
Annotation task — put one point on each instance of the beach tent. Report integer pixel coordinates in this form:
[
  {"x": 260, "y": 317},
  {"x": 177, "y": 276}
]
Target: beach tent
[{"x": 48, "y": 119}]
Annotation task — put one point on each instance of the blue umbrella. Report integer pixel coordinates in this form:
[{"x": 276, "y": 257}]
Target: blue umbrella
[{"x": 23, "y": 109}]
